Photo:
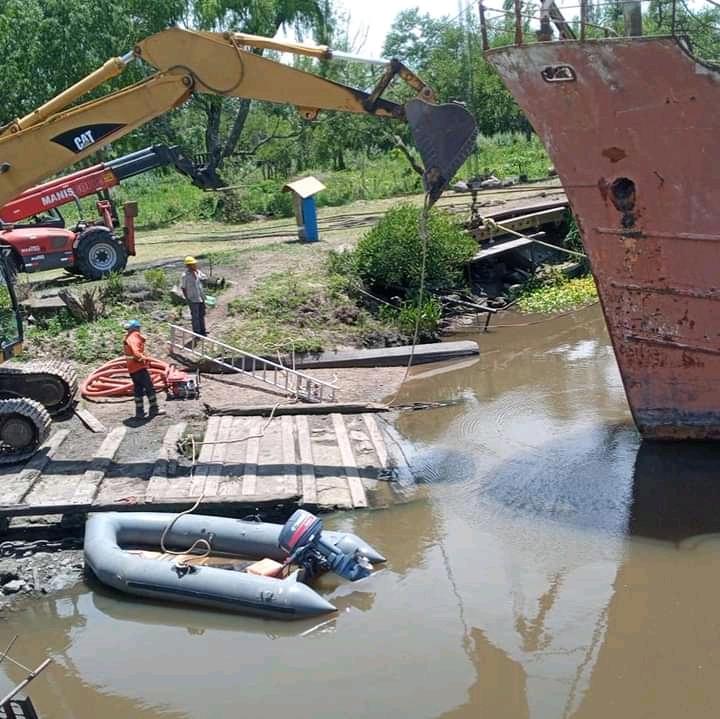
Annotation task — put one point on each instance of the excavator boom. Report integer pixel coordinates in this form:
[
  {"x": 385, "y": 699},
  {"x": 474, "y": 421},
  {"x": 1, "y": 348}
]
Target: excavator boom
[{"x": 56, "y": 136}]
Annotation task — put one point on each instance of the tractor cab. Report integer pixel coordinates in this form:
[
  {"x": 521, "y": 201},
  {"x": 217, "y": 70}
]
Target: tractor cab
[{"x": 50, "y": 218}]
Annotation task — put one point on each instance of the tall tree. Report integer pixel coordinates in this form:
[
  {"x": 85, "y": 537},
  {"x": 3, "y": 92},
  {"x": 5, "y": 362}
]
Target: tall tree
[
  {"x": 447, "y": 54},
  {"x": 226, "y": 117}
]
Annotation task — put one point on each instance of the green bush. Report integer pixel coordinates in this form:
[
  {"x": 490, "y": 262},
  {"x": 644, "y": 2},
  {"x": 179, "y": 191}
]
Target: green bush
[
  {"x": 426, "y": 317},
  {"x": 231, "y": 207},
  {"x": 389, "y": 257},
  {"x": 557, "y": 293},
  {"x": 113, "y": 289},
  {"x": 573, "y": 237},
  {"x": 156, "y": 279},
  {"x": 280, "y": 204}
]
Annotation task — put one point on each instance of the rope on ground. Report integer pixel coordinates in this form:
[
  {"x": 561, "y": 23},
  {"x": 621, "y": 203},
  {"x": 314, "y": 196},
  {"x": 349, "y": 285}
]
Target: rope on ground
[
  {"x": 491, "y": 224},
  {"x": 202, "y": 542}
]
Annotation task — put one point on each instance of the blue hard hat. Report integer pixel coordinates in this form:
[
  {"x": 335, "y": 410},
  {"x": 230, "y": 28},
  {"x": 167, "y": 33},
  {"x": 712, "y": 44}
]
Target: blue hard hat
[{"x": 132, "y": 325}]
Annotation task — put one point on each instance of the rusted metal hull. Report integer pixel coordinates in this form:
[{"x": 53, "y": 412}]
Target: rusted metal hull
[{"x": 632, "y": 126}]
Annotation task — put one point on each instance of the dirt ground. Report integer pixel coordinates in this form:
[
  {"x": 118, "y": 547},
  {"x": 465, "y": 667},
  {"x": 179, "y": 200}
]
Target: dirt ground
[
  {"x": 225, "y": 390},
  {"x": 265, "y": 247}
]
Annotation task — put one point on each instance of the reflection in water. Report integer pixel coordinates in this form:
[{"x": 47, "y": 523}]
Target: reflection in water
[
  {"x": 549, "y": 565},
  {"x": 676, "y": 490},
  {"x": 49, "y": 628}
]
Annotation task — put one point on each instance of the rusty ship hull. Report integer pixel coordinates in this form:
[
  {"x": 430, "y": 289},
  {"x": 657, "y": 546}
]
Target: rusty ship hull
[{"x": 632, "y": 127}]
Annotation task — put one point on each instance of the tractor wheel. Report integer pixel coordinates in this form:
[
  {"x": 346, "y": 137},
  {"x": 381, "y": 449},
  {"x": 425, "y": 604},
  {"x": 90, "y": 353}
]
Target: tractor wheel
[{"x": 99, "y": 253}]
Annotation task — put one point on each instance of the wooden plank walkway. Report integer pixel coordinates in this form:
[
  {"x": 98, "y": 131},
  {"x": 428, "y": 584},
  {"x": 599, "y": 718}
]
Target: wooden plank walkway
[{"x": 323, "y": 462}]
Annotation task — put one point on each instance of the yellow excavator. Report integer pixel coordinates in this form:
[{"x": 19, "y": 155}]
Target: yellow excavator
[{"x": 59, "y": 134}]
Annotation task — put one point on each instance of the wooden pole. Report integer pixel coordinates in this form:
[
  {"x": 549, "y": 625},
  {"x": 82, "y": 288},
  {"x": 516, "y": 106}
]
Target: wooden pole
[
  {"x": 483, "y": 26},
  {"x": 583, "y": 19},
  {"x": 632, "y": 13},
  {"x": 24, "y": 682},
  {"x": 518, "y": 23}
]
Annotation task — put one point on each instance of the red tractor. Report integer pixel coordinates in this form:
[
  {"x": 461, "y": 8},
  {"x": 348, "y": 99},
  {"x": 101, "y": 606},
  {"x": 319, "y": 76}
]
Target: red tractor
[{"x": 33, "y": 227}]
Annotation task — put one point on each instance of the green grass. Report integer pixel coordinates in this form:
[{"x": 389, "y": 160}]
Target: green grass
[
  {"x": 559, "y": 295},
  {"x": 166, "y": 197},
  {"x": 92, "y": 343},
  {"x": 304, "y": 312},
  {"x": 511, "y": 154}
]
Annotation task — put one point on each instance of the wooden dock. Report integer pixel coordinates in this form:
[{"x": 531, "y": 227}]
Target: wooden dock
[{"x": 243, "y": 464}]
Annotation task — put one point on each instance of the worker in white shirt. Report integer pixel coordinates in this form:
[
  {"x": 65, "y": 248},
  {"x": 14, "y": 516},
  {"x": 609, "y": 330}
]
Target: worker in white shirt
[{"x": 194, "y": 293}]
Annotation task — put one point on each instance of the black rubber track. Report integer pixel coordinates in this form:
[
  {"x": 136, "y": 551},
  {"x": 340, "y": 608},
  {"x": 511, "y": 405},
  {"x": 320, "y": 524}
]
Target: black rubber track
[
  {"x": 53, "y": 384},
  {"x": 36, "y": 415}
]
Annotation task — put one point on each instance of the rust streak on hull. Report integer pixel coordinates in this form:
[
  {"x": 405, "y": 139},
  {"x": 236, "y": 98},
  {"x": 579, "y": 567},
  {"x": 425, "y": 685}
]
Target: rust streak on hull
[{"x": 633, "y": 136}]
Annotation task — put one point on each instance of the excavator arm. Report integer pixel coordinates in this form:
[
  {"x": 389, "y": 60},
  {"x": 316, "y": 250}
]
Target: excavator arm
[{"x": 56, "y": 136}]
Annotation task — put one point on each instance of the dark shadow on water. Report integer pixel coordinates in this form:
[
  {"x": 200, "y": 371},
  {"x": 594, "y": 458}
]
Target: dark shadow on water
[
  {"x": 676, "y": 490},
  {"x": 603, "y": 478}
]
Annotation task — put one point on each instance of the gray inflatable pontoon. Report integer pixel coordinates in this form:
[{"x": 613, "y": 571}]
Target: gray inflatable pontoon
[{"x": 301, "y": 539}]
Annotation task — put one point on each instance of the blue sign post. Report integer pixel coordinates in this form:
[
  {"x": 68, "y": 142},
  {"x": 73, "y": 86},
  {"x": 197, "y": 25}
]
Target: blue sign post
[
  {"x": 309, "y": 219},
  {"x": 304, "y": 192}
]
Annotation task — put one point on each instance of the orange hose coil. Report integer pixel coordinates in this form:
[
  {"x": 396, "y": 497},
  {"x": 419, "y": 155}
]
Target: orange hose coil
[{"x": 113, "y": 379}]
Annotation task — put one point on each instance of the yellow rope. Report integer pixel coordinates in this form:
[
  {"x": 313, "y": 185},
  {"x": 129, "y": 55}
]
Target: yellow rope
[{"x": 493, "y": 225}]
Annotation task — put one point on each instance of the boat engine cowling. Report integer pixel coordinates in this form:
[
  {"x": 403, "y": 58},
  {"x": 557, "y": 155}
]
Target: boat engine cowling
[{"x": 302, "y": 539}]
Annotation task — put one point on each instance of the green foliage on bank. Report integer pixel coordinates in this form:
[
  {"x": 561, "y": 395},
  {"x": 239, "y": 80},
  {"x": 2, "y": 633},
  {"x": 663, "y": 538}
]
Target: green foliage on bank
[
  {"x": 299, "y": 312},
  {"x": 388, "y": 259},
  {"x": 557, "y": 293}
]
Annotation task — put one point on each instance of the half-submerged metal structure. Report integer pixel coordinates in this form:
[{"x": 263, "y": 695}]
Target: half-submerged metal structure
[{"x": 631, "y": 125}]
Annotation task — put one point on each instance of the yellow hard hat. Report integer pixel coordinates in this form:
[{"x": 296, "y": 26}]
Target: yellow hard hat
[{"x": 189, "y": 260}]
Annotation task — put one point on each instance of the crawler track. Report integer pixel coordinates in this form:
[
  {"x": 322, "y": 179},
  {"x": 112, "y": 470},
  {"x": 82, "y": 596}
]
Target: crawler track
[
  {"x": 24, "y": 426},
  {"x": 53, "y": 384}
]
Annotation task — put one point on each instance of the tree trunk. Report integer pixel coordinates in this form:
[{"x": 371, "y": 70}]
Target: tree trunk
[
  {"x": 237, "y": 128},
  {"x": 340, "y": 160},
  {"x": 213, "y": 109}
]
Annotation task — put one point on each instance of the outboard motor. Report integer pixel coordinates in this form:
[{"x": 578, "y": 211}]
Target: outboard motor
[{"x": 301, "y": 538}]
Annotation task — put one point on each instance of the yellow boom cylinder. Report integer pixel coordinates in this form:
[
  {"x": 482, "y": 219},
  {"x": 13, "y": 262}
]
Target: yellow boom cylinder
[
  {"x": 112, "y": 68},
  {"x": 322, "y": 52}
]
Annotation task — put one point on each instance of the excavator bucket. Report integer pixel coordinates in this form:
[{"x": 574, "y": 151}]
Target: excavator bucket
[{"x": 444, "y": 135}]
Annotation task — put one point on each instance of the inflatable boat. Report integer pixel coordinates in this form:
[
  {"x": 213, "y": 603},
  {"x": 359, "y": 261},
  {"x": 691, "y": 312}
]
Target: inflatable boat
[{"x": 254, "y": 567}]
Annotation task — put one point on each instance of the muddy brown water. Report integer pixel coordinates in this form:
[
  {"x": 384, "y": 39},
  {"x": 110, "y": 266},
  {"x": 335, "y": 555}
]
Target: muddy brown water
[{"x": 548, "y": 565}]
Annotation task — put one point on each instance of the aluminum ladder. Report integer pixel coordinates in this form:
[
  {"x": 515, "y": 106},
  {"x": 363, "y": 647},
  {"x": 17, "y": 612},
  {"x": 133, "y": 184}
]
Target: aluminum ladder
[{"x": 290, "y": 381}]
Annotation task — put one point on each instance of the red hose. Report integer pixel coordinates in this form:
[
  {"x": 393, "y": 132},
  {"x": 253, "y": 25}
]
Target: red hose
[{"x": 113, "y": 379}]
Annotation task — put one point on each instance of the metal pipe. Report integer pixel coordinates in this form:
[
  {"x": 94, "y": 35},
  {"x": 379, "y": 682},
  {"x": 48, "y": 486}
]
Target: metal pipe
[
  {"x": 350, "y": 57},
  {"x": 320, "y": 52}
]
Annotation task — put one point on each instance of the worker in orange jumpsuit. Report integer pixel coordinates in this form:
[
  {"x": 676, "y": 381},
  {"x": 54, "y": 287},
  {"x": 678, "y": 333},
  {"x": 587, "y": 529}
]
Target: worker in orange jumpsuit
[{"x": 137, "y": 364}]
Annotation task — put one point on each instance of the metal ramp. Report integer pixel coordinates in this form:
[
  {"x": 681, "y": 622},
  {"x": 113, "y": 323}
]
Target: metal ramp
[
  {"x": 18, "y": 709},
  {"x": 289, "y": 381}
]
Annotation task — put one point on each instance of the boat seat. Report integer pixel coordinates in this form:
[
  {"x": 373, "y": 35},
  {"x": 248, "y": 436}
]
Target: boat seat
[{"x": 266, "y": 568}]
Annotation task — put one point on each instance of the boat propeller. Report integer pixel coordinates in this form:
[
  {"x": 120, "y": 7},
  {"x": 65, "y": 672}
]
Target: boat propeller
[{"x": 302, "y": 539}]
